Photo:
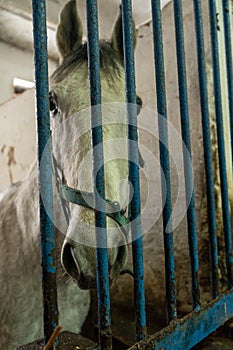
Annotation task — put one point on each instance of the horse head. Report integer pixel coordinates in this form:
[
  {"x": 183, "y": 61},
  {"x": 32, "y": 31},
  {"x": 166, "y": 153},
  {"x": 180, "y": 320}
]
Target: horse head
[{"x": 72, "y": 146}]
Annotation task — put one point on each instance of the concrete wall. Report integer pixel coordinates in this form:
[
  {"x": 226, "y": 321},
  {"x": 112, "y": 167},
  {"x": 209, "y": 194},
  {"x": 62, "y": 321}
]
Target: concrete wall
[
  {"x": 15, "y": 62},
  {"x": 18, "y": 138},
  {"x": 17, "y": 114}
]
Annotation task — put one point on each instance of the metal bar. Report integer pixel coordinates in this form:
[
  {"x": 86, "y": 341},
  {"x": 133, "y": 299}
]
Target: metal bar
[
  {"x": 228, "y": 48},
  {"x": 45, "y": 169},
  {"x": 184, "y": 115},
  {"x": 164, "y": 159},
  {"x": 207, "y": 148},
  {"x": 135, "y": 206},
  {"x": 221, "y": 146},
  {"x": 193, "y": 328},
  {"x": 105, "y": 333}
]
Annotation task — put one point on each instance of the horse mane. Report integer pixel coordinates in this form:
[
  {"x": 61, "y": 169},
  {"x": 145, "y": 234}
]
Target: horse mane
[{"x": 110, "y": 62}]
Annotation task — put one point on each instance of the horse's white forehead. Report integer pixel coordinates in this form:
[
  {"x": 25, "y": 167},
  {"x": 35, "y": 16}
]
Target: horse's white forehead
[{"x": 73, "y": 91}]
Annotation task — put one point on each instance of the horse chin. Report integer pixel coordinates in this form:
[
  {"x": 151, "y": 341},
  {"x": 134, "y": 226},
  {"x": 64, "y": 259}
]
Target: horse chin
[{"x": 83, "y": 280}]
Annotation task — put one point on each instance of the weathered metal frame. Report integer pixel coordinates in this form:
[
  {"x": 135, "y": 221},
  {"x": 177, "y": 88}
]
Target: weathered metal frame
[
  {"x": 202, "y": 321},
  {"x": 189, "y": 331},
  {"x": 192, "y": 329}
]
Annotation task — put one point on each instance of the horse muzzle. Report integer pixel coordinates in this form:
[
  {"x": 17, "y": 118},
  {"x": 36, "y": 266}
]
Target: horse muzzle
[{"x": 79, "y": 262}]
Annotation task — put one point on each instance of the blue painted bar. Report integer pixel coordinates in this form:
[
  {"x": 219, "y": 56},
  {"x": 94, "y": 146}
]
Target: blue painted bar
[
  {"x": 135, "y": 205},
  {"x": 228, "y": 48},
  {"x": 164, "y": 159},
  {"x": 184, "y": 115},
  {"x": 193, "y": 328},
  {"x": 207, "y": 148},
  {"x": 45, "y": 169},
  {"x": 105, "y": 334},
  {"x": 221, "y": 146}
]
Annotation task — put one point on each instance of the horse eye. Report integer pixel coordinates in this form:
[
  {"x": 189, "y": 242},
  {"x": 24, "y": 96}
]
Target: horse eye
[
  {"x": 53, "y": 103},
  {"x": 139, "y": 104}
]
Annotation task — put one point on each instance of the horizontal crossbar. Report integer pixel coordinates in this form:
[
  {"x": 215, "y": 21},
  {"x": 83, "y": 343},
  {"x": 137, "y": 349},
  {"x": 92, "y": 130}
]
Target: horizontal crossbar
[{"x": 190, "y": 330}]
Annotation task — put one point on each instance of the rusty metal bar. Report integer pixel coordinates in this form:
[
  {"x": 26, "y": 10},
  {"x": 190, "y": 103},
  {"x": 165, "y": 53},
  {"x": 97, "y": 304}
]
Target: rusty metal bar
[
  {"x": 45, "y": 170},
  {"x": 185, "y": 129},
  {"x": 135, "y": 205},
  {"x": 164, "y": 160},
  {"x": 207, "y": 149},
  {"x": 221, "y": 142},
  {"x": 105, "y": 333}
]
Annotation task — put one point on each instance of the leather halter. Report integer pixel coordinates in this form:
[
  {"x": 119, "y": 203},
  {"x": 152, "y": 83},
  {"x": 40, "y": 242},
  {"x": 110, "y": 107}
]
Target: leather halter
[{"x": 86, "y": 199}]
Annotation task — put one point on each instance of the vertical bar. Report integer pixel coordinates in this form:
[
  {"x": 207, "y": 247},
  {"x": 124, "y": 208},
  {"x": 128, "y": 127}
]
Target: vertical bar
[
  {"x": 184, "y": 114},
  {"x": 228, "y": 47},
  {"x": 164, "y": 159},
  {"x": 207, "y": 148},
  {"x": 221, "y": 146},
  {"x": 105, "y": 334},
  {"x": 45, "y": 173},
  {"x": 135, "y": 205}
]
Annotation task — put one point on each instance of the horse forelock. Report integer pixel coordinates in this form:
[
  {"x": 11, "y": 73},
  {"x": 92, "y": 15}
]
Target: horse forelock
[{"x": 110, "y": 62}]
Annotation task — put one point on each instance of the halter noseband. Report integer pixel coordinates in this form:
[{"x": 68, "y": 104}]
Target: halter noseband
[{"x": 86, "y": 199}]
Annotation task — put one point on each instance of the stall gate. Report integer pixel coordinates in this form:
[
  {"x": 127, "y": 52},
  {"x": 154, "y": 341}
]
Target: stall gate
[{"x": 180, "y": 333}]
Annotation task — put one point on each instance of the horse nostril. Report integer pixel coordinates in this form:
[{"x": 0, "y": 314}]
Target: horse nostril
[
  {"x": 70, "y": 264},
  {"x": 68, "y": 261},
  {"x": 121, "y": 255},
  {"x": 119, "y": 263}
]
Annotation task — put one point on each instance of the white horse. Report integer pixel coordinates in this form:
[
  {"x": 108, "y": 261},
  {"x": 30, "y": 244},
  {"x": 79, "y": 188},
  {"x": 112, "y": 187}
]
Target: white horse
[{"x": 20, "y": 292}]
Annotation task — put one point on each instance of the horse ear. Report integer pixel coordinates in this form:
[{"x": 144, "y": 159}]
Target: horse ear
[
  {"x": 117, "y": 35},
  {"x": 69, "y": 31}
]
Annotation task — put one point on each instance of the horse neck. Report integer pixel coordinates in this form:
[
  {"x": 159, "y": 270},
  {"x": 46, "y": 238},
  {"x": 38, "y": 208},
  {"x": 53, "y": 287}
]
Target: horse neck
[{"x": 27, "y": 203}]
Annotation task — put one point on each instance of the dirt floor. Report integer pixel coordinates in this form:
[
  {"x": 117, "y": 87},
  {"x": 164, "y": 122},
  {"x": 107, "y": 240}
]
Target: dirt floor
[{"x": 67, "y": 341}]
